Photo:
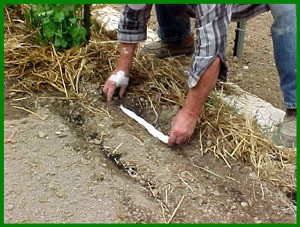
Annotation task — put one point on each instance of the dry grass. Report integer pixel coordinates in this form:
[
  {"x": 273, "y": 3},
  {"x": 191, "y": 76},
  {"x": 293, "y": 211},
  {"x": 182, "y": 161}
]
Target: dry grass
[{"x": 32, "y": 68}]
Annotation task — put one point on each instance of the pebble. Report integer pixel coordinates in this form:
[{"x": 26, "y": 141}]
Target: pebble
[
  {"x": 252, "y": 175},
  {"x": 62, "y": 127},
  {"x": 235, "y": 59},
  {"x": 194, "y": 196},
  {"x": 104, "y": 164},
  {"x": 91, "y": 188},
  {"x": 96, "y": 141},
  {"x": 256, "y": 220},
  {"x": 45, "y": 117},
  {"x": 244, "y": 204},
  {"x": 233, "y": 207},
  {"x": 216, "y": 193},
  {"x": 12, "y": 94},
  {"x": 42, "y": 134},
  {"x": 200, "y": 202},
  {"x": 196, "y": 220},
  {"x": 24, "y": 121},
  {"x": 245, "y": 67},
  {"x": 142, "y": 182},
  {"x": 52, "y": 186},
  {"x": 10, "y": 207}
]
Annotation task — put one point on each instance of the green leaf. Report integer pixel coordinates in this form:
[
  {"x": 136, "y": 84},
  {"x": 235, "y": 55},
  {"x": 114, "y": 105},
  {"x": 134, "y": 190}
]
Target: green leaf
[
  {"x": 78, "y": 32},
  {"x": 64, "y": 43},
  {"x": 59, "y": 16},
  {"x": 73, "y": 20},
  {"x": 46, "y": 20},
  {"x": 57, "y": 42},
  {"x": 59, "y": 33},
  {"x": 69, "y": 9},
  {"x": 49, "y": 30}
]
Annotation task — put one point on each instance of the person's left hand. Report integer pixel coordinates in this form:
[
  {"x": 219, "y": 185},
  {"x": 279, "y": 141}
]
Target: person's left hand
[{"x": 183, "y": 126}]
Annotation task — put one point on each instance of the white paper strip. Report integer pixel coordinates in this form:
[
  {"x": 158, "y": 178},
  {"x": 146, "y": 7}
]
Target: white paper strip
[{"x": 150, "y": 128}]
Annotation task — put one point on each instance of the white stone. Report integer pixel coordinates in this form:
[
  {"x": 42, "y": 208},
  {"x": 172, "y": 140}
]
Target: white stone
[
  {"x": 266, "y": 115},
  {"x": 244, "y": 204},
  {"x": 245, "y": 68}
]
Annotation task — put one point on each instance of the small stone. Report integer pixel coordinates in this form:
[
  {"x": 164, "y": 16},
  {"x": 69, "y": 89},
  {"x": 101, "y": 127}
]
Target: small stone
[
  {"x": 245, "y": 68},
  {"x": 244, "y": 204},
  {"x": 12, "y": 94},
  {"x": 62, "y": 127},
  {"x": 52, "y": 186},
  {"x": 235, "y": 59},
  {"x": 256, "y": 220},
  {"x": 233, "y": 207},
  {"x": 96, "y": 141},
  {"x": 194, "y": 196},
  {"x": 196, "y": 220},
  {"x": 104, "y": 164},
  {"x": 42, "y": 134},
  {"x": 200, "y": 202},
  {"x": 10, "y": 207},
  {"x": 24, "y": 121},
  {"x": 142, "y": 182}
]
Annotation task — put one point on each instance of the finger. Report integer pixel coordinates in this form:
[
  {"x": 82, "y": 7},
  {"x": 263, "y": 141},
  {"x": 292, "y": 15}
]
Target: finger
[
  {"x": 105, "y": 88},
  {"x": 107, "y": 84},
  {"x": 122, "y": 91},
  {"x": 172, "y": 139},
  {"x": 179, "y": 140},
  {"x": 110, "y": 92}
]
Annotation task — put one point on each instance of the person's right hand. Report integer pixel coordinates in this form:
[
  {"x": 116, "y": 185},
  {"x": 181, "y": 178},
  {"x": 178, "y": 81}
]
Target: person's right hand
[
  {"x": 118, "y": 79},
  {"x": 183, "y": 126}
]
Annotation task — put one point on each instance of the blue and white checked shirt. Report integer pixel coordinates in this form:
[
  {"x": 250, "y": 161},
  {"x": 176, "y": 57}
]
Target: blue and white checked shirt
[{"x": 211, "y": 30}]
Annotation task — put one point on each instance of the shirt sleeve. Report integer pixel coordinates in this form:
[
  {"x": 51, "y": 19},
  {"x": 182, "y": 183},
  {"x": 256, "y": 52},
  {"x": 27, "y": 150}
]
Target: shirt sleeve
[
  {"x": 212, "y": 22},
  {"x": 132, "y": 26}
]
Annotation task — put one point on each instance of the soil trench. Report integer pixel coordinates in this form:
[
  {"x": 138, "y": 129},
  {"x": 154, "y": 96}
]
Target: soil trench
[{"x": 68, "y": 166}]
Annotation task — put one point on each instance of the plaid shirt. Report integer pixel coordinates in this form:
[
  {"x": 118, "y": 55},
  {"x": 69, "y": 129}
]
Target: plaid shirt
[{"x": 211, "y": 29}]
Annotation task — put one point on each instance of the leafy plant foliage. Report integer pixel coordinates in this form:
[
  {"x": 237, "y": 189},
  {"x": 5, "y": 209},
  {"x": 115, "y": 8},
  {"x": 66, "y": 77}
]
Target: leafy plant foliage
[{"x": 58, "y": 24}]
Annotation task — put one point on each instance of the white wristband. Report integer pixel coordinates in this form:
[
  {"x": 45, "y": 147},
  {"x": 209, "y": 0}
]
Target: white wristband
[{"x": 120, "y": 79}]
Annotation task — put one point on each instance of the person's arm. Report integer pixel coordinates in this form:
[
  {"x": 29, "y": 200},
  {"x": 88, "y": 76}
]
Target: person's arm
[
  {"x": 208, "y": 62},
  {"x": 124, "y": 65},
  {"x": 131, "y": 30},
  {"x": 184, "y": 123}
]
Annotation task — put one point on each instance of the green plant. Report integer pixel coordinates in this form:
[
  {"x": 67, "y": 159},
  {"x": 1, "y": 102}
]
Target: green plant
[{"x": 59, "y": 24}]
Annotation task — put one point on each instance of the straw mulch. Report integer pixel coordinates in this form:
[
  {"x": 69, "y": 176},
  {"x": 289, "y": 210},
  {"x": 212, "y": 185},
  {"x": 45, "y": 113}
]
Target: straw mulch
[{"x": 32, "y": 68}]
